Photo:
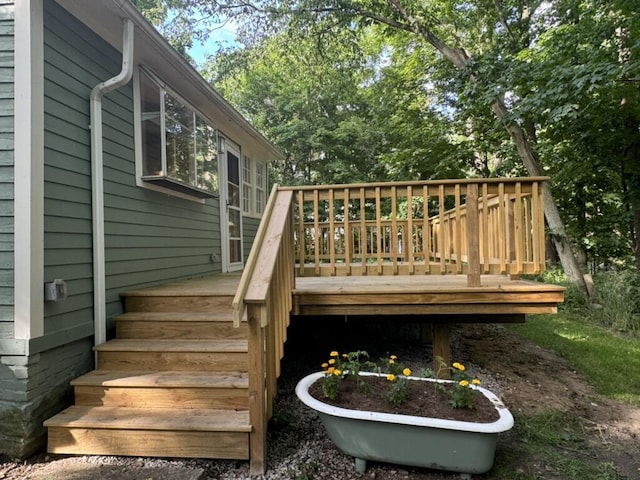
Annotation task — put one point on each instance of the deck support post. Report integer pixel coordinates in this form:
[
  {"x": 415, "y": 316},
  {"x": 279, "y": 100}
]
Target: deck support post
[
  {"x": 442, "y": 350},
  {"x": 257, "y": 392}
]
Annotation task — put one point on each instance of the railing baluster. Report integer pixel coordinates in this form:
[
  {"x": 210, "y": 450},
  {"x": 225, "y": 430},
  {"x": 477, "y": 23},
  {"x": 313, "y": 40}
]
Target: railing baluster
[
  {"x": 538, "y": 229},
  {"x": 332, "y": 235},
  {"x": 347, "y": 233},
  {"x": 458, "y": 231},
  {"x": 364, "y": 245},
  {"x": 502, "y": 229},
  {"x": 485, "y": 229},
  {"x": 442, "y": 233},
  {"x": 302, "y": 234},
  {"x": 393, "y": 234},
  {"x": 517, "y": 228},
  {"x": 316, "y": 231},
  {"x": 379, "y": 233},
  {"x": 409, "y": 244},
  {"x": 426, "y": 234}
]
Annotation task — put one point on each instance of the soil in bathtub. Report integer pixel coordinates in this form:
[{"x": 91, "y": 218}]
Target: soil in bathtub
[{"x": 423, "y": 399}]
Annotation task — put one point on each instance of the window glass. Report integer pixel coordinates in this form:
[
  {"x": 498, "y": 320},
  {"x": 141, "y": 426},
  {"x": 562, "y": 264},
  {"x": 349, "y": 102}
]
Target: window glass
[
  {"x": 179, "y": 132},
  {"x": 151, "y": 126},
  {"x": 233, "y": 180},
  {"x": 179, "y": 146},
  {"x": 206, "y": 156}
]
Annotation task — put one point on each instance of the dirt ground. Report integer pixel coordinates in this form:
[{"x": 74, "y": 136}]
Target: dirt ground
[
  {"x": 534, "y": 379},
  {"x": 528, "y": 378}
]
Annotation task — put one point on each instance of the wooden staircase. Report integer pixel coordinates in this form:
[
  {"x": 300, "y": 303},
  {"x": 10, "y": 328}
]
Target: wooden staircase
[{"x": 174, "y": 382}]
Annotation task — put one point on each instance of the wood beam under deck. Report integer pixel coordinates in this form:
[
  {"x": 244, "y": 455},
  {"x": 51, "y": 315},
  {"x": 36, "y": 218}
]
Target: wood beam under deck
[{"x": 438, "y": 301}]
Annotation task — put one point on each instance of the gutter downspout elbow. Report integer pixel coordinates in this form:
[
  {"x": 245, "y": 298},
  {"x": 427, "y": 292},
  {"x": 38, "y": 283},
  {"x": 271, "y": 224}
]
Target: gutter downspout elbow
[{"x": 97, "y": 175}]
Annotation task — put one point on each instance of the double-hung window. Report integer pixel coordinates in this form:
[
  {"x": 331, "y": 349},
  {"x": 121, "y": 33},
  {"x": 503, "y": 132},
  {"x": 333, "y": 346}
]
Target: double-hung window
[
  {"x": 179, "y": 145},
  {"x": 261, "y": 187},
  {"x": 246, "y": 185}
]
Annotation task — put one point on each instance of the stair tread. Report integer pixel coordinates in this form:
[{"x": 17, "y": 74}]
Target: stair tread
[
  {"x": 222, "y": 317},
  {"x": 123, "y": 418},
  {"x": 174, "y": 345},
  {"x": 167, "y": 379}
]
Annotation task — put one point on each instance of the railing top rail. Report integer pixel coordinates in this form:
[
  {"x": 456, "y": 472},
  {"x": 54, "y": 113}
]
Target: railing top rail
[
  {"x": 265, "y": 264},
  {"x": 417, "y": 183}
]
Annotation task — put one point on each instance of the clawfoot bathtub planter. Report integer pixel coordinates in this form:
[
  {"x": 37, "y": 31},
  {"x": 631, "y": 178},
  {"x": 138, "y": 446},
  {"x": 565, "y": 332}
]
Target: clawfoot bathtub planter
[{"x": 451, "y": 445}]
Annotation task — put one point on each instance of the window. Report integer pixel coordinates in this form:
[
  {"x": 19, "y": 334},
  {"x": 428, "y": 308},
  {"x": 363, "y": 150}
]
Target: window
[
  {"x": 260, "y": 188},
  {"x": 179, "y": 146},
  {"x": 246, "y": 185}
]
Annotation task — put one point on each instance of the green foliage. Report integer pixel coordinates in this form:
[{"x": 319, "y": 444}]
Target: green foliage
[
  {"x": 463, "y": 391},
  {"x": 619, "y": 294},
  {"x": 559, "y": 442},
  {"x": 608, "y": 360}
]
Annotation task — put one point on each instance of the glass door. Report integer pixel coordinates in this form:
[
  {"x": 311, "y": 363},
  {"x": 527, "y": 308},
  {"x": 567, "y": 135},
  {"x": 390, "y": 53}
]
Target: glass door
[{"x": 233, "y": 228}]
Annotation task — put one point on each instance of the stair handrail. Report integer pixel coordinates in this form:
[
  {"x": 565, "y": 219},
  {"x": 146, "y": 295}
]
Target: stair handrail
[
  {"x": 266, "y": 292},
  {"x": 238, "y": 303}
]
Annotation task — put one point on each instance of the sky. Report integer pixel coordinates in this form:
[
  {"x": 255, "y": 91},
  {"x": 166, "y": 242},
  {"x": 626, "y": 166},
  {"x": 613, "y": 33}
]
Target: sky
[{"x": 221, "y": 37}]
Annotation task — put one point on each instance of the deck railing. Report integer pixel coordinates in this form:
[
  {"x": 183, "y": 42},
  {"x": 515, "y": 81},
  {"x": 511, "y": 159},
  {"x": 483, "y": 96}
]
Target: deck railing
[
  {"x": 473, "y": 227},
  {"x": 265, "y": 291}
]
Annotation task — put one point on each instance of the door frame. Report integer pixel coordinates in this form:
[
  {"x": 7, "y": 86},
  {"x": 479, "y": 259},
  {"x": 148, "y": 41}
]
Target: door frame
[{"x": 227, "y": 146}]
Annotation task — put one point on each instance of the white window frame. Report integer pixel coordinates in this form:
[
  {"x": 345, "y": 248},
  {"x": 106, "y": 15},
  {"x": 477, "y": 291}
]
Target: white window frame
[
  {"x": 254, "y": 186},
  {"x": 192, "y": 193},
  {"x": 260, "y": 197},
  {"x": 247, "y": 185}
]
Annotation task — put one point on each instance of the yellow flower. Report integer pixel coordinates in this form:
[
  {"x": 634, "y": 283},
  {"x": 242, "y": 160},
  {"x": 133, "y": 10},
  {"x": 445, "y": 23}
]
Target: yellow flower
[
  {"x": 344, "y": 355},
  {"x": 459, "y": 366},
  {"x": 475, "y": 381},
  {"x": 391, "y": 377},
  {"x": 324, "y": 365},
  {"x": 332, "y": 361},
  {"x": 464, "y": 383},
  {"x": 330, "y": 370},
  {"x": 392, "y": 361},
  {"x": 337, "y": 372},
  {"x": 406, "y": 372},
  {"x": 334, "y": 354},
  {"x": 393, "y": 357}
]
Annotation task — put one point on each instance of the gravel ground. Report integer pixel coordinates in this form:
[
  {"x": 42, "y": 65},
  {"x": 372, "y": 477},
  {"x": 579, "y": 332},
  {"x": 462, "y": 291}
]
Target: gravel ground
[{"x": 298, "y": 447}]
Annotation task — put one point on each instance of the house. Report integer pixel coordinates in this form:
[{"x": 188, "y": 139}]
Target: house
[{"x": 120, "y": 167}]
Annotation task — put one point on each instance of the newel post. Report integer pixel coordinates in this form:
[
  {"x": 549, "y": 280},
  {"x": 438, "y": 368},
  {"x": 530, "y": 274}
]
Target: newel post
[
  {"x": 257, "y": 392},
  {"x": 473, "y": 236}
]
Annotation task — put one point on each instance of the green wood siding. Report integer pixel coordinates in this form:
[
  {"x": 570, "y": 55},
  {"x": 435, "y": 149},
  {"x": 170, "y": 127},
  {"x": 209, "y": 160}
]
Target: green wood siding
[
  {"x": 249, "y": 229},
  {"x": 151, "y": 237},
  {"x": 6, "y": 169}
]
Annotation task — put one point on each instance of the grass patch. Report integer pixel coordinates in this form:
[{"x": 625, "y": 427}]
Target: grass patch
[
  {"x": 610, "y": 362},
  {"x": 549, "y": 444}
]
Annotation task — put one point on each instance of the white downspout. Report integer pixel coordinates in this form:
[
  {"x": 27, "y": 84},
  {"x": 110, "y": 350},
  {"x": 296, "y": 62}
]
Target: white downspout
[{"x": 97, "y": 175}]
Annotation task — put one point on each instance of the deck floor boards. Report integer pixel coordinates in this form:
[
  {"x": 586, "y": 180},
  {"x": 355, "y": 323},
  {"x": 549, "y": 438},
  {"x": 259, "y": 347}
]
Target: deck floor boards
[{"x": 394, "y": 295}]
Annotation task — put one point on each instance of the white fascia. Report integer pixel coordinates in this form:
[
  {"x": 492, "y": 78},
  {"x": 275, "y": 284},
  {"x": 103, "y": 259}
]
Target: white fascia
[{"x": 29, "y": 170}]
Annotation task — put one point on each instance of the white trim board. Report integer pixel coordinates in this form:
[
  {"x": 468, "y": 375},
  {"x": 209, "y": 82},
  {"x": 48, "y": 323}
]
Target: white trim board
[{"x": 29, "y": 170}]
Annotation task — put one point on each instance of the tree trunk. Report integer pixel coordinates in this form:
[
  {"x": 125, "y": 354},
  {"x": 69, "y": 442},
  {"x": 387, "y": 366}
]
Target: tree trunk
[{"x": 557, "y": 231}]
